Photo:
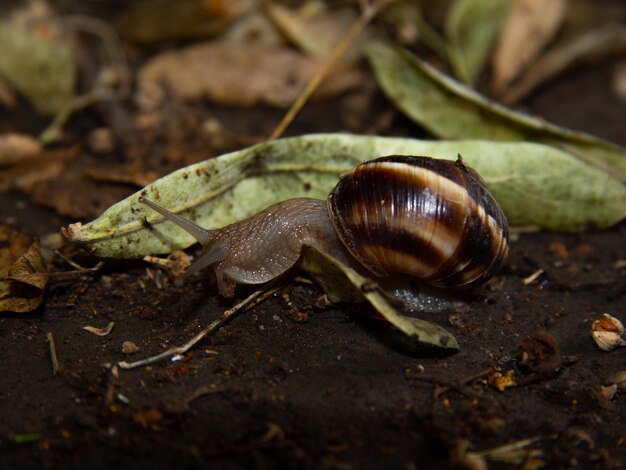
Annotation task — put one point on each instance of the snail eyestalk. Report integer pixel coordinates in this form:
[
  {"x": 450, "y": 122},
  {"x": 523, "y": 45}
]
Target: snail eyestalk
[{"x": 197, "y": 232}]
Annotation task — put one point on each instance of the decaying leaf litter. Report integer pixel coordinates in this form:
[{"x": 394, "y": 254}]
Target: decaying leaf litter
[{"x": 149, "y": 116}]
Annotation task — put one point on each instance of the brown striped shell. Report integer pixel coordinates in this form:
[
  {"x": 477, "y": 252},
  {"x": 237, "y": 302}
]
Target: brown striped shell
[{"x": 429, "y": 218}]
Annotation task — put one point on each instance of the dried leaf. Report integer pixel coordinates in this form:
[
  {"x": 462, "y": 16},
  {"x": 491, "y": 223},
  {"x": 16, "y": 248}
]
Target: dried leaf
[
  {"x": 343, "y": 284},
  {"x": 130, "y": 174},
  {"x": 296, "y": 28},
  {"x": 41, "y": 69},
  {"x": 23, "y": 275},
  {"x": 18, "y": 148},
  {"x": 586, "y": 48},
  {"x": 317, "y": 34},
  {"x": 240, "y": 75},
  {"x": 450, "y": 110},
  {"x": 472, "y": 27},
  {"x": 530, "y": 25},
  {"x": 150, "y": 21},
  {"x": 619, "y": 80},
  {"x": 149, "y": 418},
  {"x": 535, "y": 185}
]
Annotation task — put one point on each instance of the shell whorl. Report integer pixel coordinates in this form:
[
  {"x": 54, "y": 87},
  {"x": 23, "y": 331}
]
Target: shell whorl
[{"x": 432, "y": 219}]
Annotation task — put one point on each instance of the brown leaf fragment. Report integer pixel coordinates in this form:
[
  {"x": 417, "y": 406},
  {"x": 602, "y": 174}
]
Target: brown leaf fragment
[
  {"x": 18, "y": 148},
  {"x": 23, "y": 274},
  {"x": 149, "y": 419},
  {"x": 128, "y": 174},
  {"x": 317, "y": 32},
  {"x": 619, "y": 80},
  {"x": 176, "y": 262},
  {"x": 531, "y": 24},
  {"x": 150, "y": 21},
  {"x": 590, "y": 47},
  {"x": 501, "y": 381},
  {"x": 28, "y": 174},
  {"x": 538, "y": 358},
  {"x": 8, "y": 98},
  {"x": 539, "y": 354},
  {"x": 237, "y": 74},
  {"x": 294, "y": 25}
]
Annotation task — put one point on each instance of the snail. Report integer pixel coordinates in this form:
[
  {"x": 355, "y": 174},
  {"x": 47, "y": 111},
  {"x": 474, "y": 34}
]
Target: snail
[{"x": 430, "y": 219}]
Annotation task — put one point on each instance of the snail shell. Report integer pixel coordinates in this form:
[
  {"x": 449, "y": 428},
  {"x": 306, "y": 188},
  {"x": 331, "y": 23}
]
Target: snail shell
[{"x": 432, "y": 219}]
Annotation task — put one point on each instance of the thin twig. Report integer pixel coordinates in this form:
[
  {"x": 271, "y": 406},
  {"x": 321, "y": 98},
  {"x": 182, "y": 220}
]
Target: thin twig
[
  {"x": 368, "y": 12},
  {"x": 73, "y": 263},
  {"x": 53, "y": 274},
  {"x": 438, "y": 380},
  {"x": 498, "y": 451},
  {"x": 249, "y": 302},
  {"x": 97, "y": 95},
  {"x": 199, "y": 392},
  {"x": 478, "y": 375},
  {"x": 53, "y": 353}
]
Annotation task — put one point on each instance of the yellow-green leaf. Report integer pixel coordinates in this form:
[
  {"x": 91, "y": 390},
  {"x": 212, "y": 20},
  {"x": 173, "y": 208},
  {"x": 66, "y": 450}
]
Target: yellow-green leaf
[
  {"x": 450, "y": 110},
  {"x": 41, "y": 69},
  {"x": 343, "y": 284},
  {"x": 535, "y": 185},
  {"x": 472, "y": 27}
]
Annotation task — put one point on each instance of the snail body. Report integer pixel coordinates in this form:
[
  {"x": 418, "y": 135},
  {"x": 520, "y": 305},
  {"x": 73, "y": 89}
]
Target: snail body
[{"x": 430, "y": 219}]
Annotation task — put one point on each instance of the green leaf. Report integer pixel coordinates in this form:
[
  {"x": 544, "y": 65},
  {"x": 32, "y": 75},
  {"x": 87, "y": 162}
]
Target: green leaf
[
  {"x": 26, "y": 438},
  {"x": 41, "y": 69},
  {"x": 452, "y": 111},
  {"x": 535, "y": 185},
  {"x": 343, "y": 284},
  {"x": 472, "y": 27}
]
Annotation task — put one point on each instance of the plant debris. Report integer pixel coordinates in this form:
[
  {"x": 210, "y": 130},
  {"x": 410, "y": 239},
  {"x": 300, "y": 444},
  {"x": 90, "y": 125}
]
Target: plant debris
[
  {"x": 23, "y": 275},
  {"x": 100, "y": 331}
]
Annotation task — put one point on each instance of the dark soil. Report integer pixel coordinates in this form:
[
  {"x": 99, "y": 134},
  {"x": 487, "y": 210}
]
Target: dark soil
[{"x": 293, "y": 385}]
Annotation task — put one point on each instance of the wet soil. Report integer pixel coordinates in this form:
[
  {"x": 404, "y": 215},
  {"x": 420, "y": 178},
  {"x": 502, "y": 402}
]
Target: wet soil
[{"x": 294, "y": 385}]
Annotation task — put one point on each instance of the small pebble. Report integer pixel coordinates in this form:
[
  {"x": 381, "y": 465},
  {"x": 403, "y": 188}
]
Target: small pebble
[{"x": 128, "y": 347}]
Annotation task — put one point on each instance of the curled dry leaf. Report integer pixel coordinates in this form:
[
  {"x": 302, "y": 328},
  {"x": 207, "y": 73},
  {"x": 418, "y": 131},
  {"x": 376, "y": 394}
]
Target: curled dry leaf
[
  {"x": 343, "y": 284},
  {"x": 619, "y": 379},
  {"x": 530, "y": 25},
  {"x": 614, "y": 385},
  {"x": 450, "y": 110},
  {"x": 18, "y": 148},
  {"x": 23, "y": 274},
  {"x": 608, "y": 332},
  {"x": 233, "y": 74}
]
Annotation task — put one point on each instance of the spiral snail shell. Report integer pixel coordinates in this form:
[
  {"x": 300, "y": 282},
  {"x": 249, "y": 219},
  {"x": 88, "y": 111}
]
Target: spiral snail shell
[
  {"x": 432, "y": 219},
  {"x": 428, "y": 218}
]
